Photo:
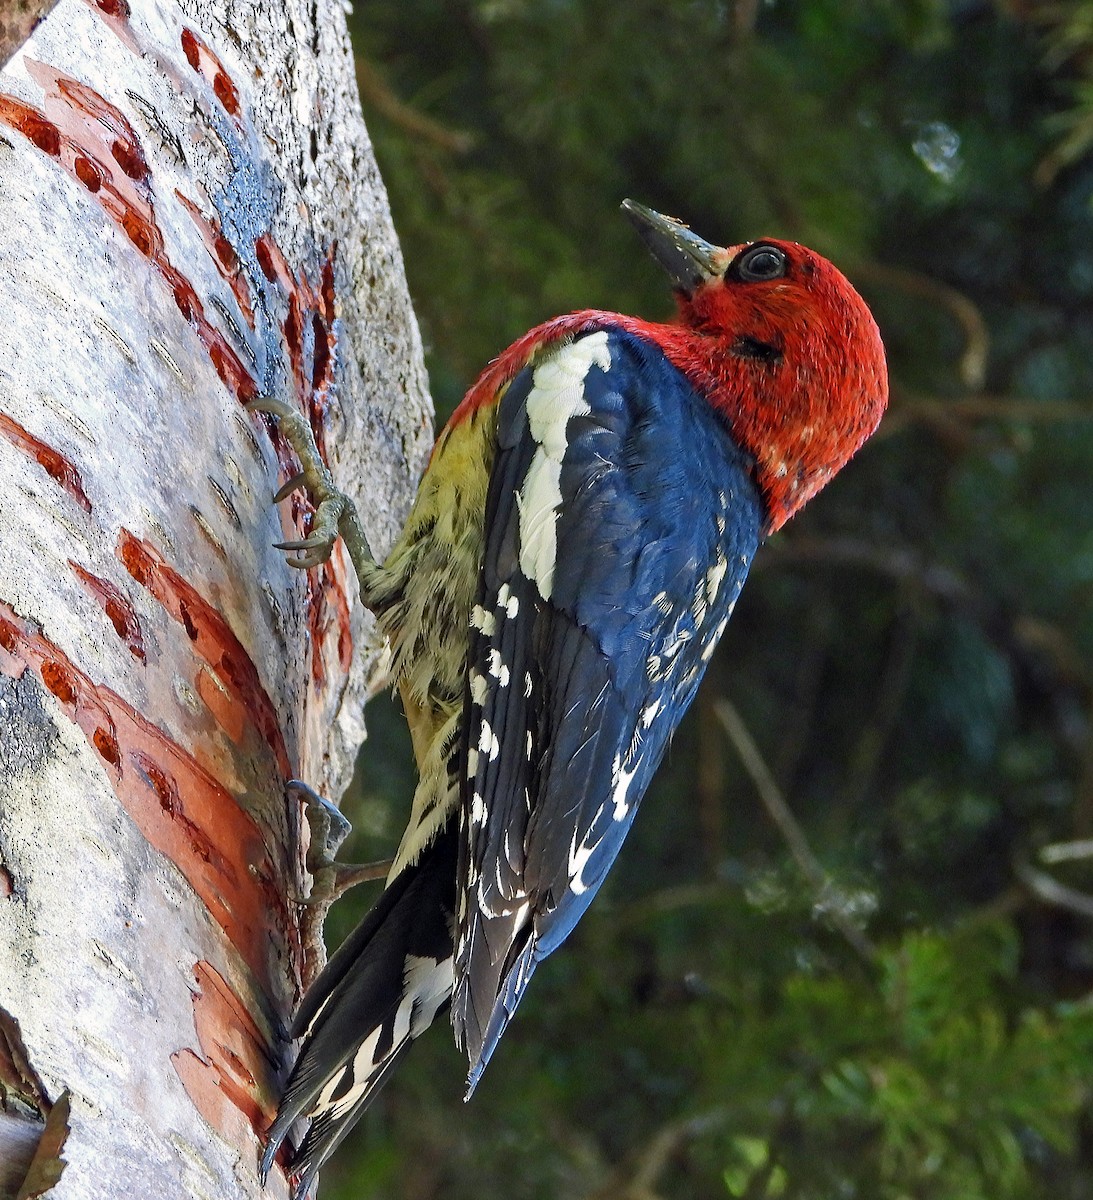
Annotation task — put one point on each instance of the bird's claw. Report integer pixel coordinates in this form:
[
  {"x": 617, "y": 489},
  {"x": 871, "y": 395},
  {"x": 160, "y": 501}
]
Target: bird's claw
[
  {"x": 314, "y": 478},
  {"x": 329, "y": 829},
  {"x": 288, "y": 487},
  {"x": 335, "y": 513},
  {"x": 269, "y": 404},
  {"x": 308, "y": 543},
  {"x": 329, "y": 826},
  {"x": 319, "y": 543}
]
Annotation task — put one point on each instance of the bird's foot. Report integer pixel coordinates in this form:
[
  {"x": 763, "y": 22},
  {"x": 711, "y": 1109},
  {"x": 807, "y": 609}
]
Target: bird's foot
[
  {"x": 334, "y": 512},
  {"x": 329, "y": 829},
  {"x": 348, "y": 875},
  {"x": 329, "y": 826}
]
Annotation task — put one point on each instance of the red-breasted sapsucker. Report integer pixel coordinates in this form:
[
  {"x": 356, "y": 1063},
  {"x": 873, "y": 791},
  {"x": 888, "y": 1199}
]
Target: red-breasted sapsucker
[{"x": 578, "y": 542}]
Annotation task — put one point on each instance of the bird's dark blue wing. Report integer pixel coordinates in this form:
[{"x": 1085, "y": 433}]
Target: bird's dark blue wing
[{"x": 620, "y": 524}]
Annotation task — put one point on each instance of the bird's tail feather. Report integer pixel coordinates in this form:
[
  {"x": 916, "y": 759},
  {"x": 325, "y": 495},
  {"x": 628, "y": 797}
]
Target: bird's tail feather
[
  {"x": 382, "y": 988},
  {"x": 487, "y": 996}
]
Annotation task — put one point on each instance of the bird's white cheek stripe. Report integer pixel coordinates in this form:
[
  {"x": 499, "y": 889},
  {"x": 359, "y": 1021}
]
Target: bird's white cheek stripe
[{"x": 557, "y": 395}]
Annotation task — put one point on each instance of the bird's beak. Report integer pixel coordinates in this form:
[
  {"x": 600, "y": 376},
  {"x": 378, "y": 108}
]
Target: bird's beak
[{"x": 687, "y": 258}]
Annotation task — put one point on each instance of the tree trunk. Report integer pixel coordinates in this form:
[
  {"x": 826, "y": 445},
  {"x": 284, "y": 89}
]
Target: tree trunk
[{"x": 190, "y": 215}]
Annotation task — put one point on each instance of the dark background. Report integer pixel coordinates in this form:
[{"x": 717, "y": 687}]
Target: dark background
[{"x": 913, "y": 655}]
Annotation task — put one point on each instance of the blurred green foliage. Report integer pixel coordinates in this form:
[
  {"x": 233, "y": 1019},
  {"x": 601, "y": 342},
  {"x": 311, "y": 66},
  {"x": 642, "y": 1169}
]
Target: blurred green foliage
[{"x": 913, "y": 655}]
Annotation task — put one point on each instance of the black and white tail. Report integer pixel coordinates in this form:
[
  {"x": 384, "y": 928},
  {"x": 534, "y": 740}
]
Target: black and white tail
[{"x": 382, "y": 989}]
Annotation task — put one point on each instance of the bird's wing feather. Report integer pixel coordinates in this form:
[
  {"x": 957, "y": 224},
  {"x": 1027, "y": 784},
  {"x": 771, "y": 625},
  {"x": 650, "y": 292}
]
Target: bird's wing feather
[{"x": 620, "y": 524}]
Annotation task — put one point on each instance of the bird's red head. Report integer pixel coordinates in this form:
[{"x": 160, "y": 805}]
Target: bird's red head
[{"x": 780, "y": 343}]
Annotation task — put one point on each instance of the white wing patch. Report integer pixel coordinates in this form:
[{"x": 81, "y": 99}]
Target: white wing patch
[
  {"x": 556, "y": 396},
  {"x": 714, "y": 576},
  {"x": 622, "y": 780},
  {"x": 484, "y": 622},
  {"x": 428, "y": 984},
  {"x": 359, "y": 1072},
  {"x": 578, "y": 860},
  {"x": 488, "y": 742}
]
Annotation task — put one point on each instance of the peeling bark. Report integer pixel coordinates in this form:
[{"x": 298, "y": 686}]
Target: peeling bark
[
  {"x": 24, "y": 1108},
  {"x": 190, "y": 216}
]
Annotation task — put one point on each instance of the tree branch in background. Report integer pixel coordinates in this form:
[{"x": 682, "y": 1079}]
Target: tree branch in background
[
  {"x": 375, "y": 92},
  {"x": 894, "y": 682},
  {"x": 744, "y": 15},
  {"x": 952, "y": 418},
  {"x": 1059, "y": 852},
  {"x": 1068, "y": 59},
  {"x": 972, "y": 364},
  {"x": 900, "y": 563},
  {"x": 828, "y": 898},
  {"x": 1083, "y": 792},
  {"x": 641, "y": 1182},
  {"x": 799, "y": 718},
  {"x": 1023, "y": 634},
  {"x": 709, "y": 784},
  {"x": 1047, "y": 888}
]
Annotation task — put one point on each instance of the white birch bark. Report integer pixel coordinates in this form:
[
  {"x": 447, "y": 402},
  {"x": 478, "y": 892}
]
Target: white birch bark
[{"x": 189, "y": 214}]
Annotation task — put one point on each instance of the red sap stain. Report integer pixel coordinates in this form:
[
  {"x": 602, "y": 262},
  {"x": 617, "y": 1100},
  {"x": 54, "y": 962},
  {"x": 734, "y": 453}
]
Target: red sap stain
[
  {"x": 76, "y": 108},
  {"x": 31, "y": 124},
  {"x": 56, "y": 466},
  {"x": 327, "y": 607},
  {"x": 211, "y": 69},
  {"x": 322, "y": 359},
  {"x": 311, "y": 311},
  {"x": 180, "y": 807},
  {"x": 327, "y": 285},
  {"x": 191, "y": 49},
  {"x": 225, "y": 92},
  {"x": 186, "y": 298},
  {"x": 212, "y": 638},
  {"x": 236, "y": 1075},
  {"x": 165, "y": 787},
  {"x": 227, "y": 714},
  {"x": 129, "y": 157},
  {"x": 292, "y": 331},
  {"x": 87, "y": 173},
  {"x": 96, "y": 145},
  {"x": 94, "y": 142},
  {"x": 224, "y": 252},
  {"x": 223, "y": 255},
  {"x": 273, "y": 263},
  {"x": 116, "y": 14},
  {"x": 113, "y": 601},
  {"x": 59, "y": 679},
  {"x": 106, "y": 743},
  {"x": 309, "y": 332}
]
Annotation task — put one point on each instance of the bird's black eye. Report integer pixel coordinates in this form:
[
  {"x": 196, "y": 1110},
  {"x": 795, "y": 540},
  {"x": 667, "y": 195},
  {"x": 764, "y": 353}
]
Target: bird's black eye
[{"x": 758, "y": 263}]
